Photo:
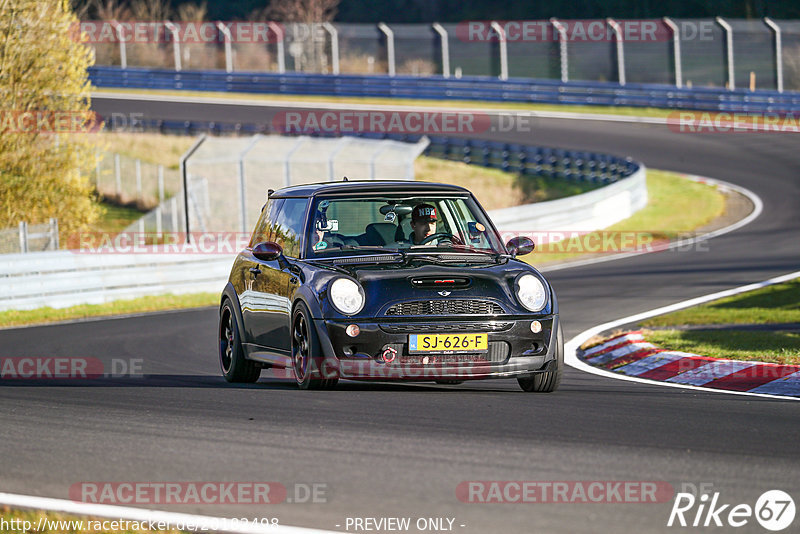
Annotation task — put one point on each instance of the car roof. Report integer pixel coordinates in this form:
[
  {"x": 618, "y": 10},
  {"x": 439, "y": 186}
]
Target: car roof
[{"x": 367, "y": 186}]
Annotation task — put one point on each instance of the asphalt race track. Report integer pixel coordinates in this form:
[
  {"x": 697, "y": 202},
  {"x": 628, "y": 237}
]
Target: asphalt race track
[{"x": 401, "y": 450}]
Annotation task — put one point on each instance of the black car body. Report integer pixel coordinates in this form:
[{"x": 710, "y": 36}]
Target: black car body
[{"x": 334, "y": 298}]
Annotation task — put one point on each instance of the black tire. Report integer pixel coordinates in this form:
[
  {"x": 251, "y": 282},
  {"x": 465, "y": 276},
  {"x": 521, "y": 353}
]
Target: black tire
[
  {"x": 307, "y": 359},
  {"x": 235, "y": 367},
  {"x": 548, "y": 381}
]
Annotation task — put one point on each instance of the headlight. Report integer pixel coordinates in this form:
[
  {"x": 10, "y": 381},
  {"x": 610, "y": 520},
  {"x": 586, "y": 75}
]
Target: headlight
[
  {"x": 531, "y": 292},
  {"x": 346, "y": 296}
]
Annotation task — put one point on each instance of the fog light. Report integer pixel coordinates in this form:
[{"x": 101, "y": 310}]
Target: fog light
[
  {"x": 353, "y": 330},
  {"x": 536, "y": 327}
]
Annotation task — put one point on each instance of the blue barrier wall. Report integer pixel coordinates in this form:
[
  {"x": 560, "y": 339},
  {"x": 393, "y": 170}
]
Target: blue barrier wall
[{"x": 466, "y": 88}]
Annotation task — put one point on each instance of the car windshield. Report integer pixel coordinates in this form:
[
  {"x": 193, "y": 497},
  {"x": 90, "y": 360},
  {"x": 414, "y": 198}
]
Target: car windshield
[{"x": 430, "y": 224}]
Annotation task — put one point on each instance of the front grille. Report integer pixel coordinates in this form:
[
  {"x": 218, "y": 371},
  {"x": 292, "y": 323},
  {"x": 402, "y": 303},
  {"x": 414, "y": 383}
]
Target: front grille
[
  {"x": 446, "y": 327},
  {"x": 445, "y": 307}
]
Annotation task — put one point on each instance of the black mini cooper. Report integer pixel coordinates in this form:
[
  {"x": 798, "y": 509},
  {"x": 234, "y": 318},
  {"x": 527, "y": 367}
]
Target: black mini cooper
[{"x": 386, "y": 281}]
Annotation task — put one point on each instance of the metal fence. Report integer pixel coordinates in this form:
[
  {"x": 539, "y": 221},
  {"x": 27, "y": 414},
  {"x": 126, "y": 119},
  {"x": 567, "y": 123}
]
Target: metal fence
[
  {"x": 29, "y": 237},
  {"x": 228, "y": 177},
  {"x": 758, "y": 54},
  {"x": 129, "y": 180}
]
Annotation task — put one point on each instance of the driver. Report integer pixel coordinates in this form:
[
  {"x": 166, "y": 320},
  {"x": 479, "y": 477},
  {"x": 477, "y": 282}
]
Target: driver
[{"x": 423, "y": 222}]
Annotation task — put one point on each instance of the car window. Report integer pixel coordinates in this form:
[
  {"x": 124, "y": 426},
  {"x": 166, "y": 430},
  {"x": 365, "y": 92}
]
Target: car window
[
  {"x": 266, "y": 222},
  {"x": 288, "y": 229},
  {"x": 350, "y": 223}
]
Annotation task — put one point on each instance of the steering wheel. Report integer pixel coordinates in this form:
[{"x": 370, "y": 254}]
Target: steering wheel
[{"x": 442, "y": 235}]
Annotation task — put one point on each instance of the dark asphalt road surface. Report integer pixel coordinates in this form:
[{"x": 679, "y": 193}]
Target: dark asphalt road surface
[{"x": 401, "y": 450}]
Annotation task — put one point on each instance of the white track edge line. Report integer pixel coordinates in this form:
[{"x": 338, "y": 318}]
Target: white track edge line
[
  {"x": 202, "y": 522},
  {"x": 378, "y": 107},
  {"x": 571, "y": 347},
  {"x": 758, "y": 207}
]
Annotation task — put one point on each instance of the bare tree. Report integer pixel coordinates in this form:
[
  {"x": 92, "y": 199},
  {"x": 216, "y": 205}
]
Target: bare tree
[
  {"x": 306, "y": 37},
  {"x": 307, "y": 11},
  {"x": 110, "y": 10},
  {"x": 151, "y": 10},
  {"x": 192, "y": 12}
]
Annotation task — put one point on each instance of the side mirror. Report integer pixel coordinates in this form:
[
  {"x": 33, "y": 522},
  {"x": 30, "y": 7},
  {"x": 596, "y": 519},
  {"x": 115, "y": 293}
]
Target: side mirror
[
  {"x": 267, "y": 251},
  {"x": 519, "y": 246}
]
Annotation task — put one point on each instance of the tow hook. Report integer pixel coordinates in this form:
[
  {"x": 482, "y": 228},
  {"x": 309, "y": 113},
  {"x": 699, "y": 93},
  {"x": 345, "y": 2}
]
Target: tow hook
[{"x": 388, "y": 355}]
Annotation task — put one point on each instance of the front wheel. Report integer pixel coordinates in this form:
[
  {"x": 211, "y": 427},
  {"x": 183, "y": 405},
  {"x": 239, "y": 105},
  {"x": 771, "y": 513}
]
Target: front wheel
[
  {"x": 235, "y": 367},
  {"x": 307, "y": 360},
  {"x": 548, "y": 381}
]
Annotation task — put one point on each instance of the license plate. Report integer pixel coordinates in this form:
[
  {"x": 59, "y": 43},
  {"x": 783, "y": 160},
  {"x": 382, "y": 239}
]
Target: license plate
[{"x": 447, "y": 343}]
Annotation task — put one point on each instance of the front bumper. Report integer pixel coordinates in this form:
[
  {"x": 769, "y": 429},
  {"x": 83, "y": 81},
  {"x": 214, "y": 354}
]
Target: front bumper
[{"x": 513, "y": 348}]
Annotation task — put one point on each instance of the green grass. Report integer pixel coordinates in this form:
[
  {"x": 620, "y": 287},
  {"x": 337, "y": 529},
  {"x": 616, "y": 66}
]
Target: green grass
[
  {"x": 494, "y": 188},
  {"x": 440, "y": 104},
  {"x": 675, "y": 206},
  {"x": 88, "y": 523},
  {"x": 771, "y": 347},
  {"x": 118, "y": 307},
  {"x": 115, "y": 218},
  {"x": 779, "y": 303},
  {"x": 156, "y": 148}
]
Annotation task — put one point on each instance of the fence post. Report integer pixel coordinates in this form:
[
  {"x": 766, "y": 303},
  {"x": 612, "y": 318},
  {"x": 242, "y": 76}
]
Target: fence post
[
  {"x": 778, "y": 52},
  {"x": 438, "y": 28},
  {"x": 620, "y": 50},
  {"x": 138, "y": 179},
  {"x": 123, "y": 53},
  {"x": 97, "y": 170},
  {"x": 176, "y": 44},
  {"x": 340, "y": 145},
  {"x": 185, "y": 176},
  {"x": 228, "y": 53},
  {"x": 173, "y": 208},
  {"x": 676, "y": 50},
  {"x": 23, "y": 236},
  {"x": 278, "y": 31},
  {"x": 389, "y": 46},
  {"x": 334, "y": 33},
  {"x": 243, "y": 182},
  {"x": 562, "y": 49},
  {"x": 160, "y": 184},
  {"x": 728, "y": 51},
  {"x": 54, "y": 232},
  {"x": 117, "y": 175},
  {"x": 501, "y": 37},
  {"x": 287, "y": 163}
]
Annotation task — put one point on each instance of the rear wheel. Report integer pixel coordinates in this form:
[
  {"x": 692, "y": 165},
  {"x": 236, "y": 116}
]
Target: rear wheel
[
  {"x": 235, "y": 367},
  {"x": 548, "y": 381},
  {"x": 307, "y": 359}
]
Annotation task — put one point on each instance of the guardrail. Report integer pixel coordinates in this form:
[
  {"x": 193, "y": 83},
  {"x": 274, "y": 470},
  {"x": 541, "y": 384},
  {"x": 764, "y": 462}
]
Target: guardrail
[
  {"x": 465, "y": 88},
  {"x": 66, "y": 278}
]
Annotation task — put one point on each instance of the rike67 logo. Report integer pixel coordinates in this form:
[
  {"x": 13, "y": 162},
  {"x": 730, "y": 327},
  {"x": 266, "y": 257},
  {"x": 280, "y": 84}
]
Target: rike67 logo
[{"x": 774, "y": 510}]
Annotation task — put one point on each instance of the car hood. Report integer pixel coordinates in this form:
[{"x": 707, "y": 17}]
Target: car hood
[{"x": 388, "y": 284}]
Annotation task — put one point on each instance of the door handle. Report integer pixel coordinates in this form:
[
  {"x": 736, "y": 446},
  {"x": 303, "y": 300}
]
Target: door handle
[{"x": 255, "y": 270}]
